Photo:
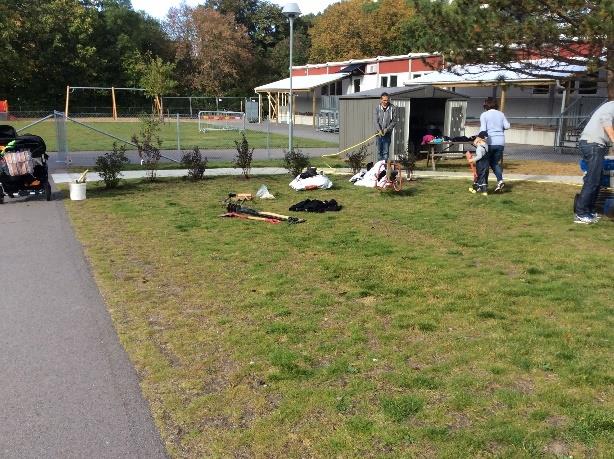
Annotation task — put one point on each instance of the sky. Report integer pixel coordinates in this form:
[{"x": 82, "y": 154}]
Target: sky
[{"x": 159, "y": 8}]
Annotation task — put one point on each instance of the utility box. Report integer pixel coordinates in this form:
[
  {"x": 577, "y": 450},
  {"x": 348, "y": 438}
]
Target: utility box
[{"x": 252, "y": 111}]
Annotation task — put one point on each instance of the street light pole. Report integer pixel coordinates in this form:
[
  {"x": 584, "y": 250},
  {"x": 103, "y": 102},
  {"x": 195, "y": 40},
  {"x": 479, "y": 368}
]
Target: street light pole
[{"x": 291, "y": 11}]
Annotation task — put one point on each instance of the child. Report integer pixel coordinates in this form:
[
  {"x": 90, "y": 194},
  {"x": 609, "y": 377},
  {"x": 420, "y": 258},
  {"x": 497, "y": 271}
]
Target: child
[{"x": 480, "y": 182}]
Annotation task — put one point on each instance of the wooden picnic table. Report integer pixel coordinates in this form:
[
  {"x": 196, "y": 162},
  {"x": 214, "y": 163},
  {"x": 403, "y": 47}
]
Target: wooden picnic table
[{"x": 450, "y": 150}]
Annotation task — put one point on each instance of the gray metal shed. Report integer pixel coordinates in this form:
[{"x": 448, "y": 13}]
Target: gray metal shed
[{"x": 417, "y": 108}]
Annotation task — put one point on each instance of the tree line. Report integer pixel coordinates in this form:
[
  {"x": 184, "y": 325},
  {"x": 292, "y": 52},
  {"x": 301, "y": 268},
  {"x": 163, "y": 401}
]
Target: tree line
[{"x": 227, "y": 47}]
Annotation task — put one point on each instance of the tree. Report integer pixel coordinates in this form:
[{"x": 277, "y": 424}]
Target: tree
[
  {"x": 212, "y": 50},
  {"x": 577, "y": 32},
  {"x": 361, "y": 29},
  {"x": 155, "y": 76},
  {"x": 45, "y": 46}
]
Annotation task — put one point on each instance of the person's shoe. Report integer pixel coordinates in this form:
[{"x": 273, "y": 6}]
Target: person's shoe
[
  {"x": 484, "y": 193},
  {"x": 472, "y": 190},
  {"x": 595, "y": 216},
  {"x": 584, "y": 219},
  {"x": 499, "y": 188}
]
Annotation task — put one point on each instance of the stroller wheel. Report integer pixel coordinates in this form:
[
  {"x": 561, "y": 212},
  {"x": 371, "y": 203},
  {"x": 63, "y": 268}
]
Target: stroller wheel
[{"x": 47, "y": 191}]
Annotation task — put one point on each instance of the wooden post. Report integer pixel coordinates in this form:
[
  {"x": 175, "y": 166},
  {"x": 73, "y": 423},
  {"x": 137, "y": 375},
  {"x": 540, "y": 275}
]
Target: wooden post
[
  {"x": 66, "y": 106},
  {"x": 503, "y": 93},
  {"x": 114, "y": 105},
  {"x": 259, "y": 107},
  {"x": 278, "y": 108},
  {"x": 293, "y": 108},
  {"x": 313, "y": 106}
]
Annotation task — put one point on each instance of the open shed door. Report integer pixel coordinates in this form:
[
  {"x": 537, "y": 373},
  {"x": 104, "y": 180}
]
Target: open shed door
[
  {"x": 401, "y": 131},
  {"x": 456, "y": 113}
]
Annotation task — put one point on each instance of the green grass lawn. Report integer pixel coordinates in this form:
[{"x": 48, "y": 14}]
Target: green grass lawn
[
  {"x": 83, "y": 139},
  {"x": 428, "y": 323}
]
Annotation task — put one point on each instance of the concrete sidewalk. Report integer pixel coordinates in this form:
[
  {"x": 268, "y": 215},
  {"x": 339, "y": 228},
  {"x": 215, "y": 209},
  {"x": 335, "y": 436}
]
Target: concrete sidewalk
[
  {"x": 94, "y": 177},
  {"x": 67, "y": 387}
]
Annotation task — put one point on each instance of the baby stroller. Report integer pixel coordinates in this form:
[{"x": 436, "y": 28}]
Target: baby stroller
[{"x": 23, "y": 165}]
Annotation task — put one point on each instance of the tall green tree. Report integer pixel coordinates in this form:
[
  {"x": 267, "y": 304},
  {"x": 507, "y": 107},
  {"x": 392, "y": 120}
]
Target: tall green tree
[
  {"x": 44, "y": 46},
  {"x": 155, "y": 76},
  {"x": 579, "y": 32}
]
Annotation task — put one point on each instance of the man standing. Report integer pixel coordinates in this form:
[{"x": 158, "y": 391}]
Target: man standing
[
  {"x": 594, "y": 140},
  {"x": 385, "y": 119}
]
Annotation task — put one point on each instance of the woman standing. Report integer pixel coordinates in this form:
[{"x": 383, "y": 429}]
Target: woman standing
[{"x": 494, "y": 123}]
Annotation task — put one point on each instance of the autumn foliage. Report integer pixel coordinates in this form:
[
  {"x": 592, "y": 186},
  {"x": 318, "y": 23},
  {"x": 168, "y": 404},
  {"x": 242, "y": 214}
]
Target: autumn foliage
[{"x": 355, "y": 29}]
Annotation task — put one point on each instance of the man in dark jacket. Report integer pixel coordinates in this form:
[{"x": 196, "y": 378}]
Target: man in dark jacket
[{"x": 385, "y": 119}]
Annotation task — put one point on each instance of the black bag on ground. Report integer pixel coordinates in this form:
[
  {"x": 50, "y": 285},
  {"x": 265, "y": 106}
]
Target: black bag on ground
[{"x": 315, "y": 205}]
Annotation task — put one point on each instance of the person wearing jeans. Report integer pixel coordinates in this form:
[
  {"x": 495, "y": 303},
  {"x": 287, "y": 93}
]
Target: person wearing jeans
[
  {"x": 594, "y": 140},
  {"x": 384, "y": 119},
  {"x": 495, "y": 123}
]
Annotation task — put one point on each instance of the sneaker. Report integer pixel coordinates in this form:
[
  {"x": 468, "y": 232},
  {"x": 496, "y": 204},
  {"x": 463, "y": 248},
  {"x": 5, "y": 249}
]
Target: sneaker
[
  {"x": 595, "y": 216},
  {"x": 584, "y": 219},
  {"x": 472, "y": 190},
  {"x": 499, "y": 188},
  {"x": 484, "y": 193}
]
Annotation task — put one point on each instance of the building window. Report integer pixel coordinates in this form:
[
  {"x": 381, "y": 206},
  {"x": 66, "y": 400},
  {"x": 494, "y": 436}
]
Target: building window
[
  {"x": 384, "y": 82},
  {"x": 393, "y": 81},
  {"x": 356, "y": 85},
  {"x": 541, "y": 89},
  {"x": 415, "y": 75},
  {"x": 339, "y": 88},
  {"x": 325, "y": 90}
]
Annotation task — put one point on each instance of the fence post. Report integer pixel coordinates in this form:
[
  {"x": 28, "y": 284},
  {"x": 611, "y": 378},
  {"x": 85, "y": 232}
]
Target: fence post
[
  {"x": 178, "y": 136},
  {"x": 268, "y": 136},
  {"x": 61, "y": 138}
]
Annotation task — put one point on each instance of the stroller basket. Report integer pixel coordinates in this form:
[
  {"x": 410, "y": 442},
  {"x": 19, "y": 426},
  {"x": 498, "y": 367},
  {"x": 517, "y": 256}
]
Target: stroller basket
[
  {"x": 23, "y": 165},
  {"x": 19, "y": 163}
]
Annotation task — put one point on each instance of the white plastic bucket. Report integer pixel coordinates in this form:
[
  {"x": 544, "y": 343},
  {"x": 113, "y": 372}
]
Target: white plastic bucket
[{"x": 77, "y": 191}]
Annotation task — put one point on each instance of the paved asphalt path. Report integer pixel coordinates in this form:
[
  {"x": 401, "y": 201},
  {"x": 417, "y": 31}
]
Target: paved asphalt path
[{"x": 67, "y": 388}]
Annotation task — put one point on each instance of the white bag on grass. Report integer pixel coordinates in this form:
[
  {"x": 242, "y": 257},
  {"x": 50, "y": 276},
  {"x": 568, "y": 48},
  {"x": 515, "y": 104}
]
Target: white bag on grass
[
  {"x": 321, "y": 182},
  {"x": 263, "y": 193}
]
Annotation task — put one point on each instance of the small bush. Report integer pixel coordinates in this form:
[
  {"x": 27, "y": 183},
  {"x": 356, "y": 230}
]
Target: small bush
[
  {"x": 356, "y": 159},
  {"x": 194, "y": 162},
  {"x": 148, "y": 143},
  {"x": 109, "y": 165},
  {"x": 243, "y": 160},
  {"x": 295, "y": 161}
]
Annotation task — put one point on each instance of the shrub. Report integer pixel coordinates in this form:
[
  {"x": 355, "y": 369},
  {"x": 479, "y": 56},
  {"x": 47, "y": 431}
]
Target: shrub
[
  {"x": 295, "y": 161},
  {"x": 194, "y": 162},
  {"x": 148, "y": 143},
  {"x": 243, "y": 160},
  {"x": 109, "y": 165},
  {"x": 356, "y": 158}
]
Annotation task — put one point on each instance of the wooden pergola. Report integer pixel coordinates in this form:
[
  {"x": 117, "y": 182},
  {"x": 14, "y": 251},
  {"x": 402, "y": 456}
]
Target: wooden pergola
[{"x": 278, "y": 94}]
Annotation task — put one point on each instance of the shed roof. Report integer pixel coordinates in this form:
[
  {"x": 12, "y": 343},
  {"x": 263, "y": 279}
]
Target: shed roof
[
  {"x": 405, "y": 92},
  {"x": 301, "y": 83},
  {"x": 542, "y": 71}
]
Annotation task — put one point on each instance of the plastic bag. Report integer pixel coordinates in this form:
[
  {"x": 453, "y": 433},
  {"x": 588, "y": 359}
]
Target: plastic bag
[{"x": 263, "y": 193}]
